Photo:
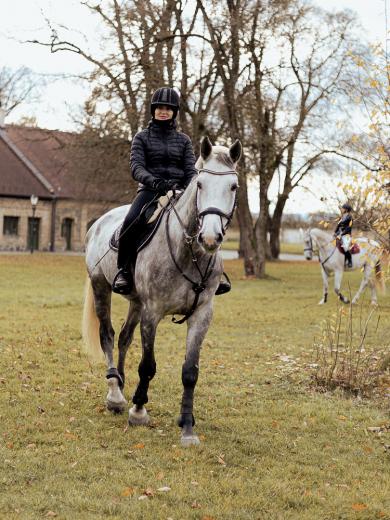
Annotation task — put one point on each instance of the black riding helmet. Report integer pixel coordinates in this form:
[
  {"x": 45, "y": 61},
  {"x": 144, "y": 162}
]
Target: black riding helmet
[
  {"x": 165, "y": 96},
  {"x": 347, "y": 206}
]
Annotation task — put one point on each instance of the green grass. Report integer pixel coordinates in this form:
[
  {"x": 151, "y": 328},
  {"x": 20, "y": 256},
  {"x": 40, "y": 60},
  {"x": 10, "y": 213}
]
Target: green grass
[
  {"x": 293, "y": 249},
  {"x": 272, "y": 448}
]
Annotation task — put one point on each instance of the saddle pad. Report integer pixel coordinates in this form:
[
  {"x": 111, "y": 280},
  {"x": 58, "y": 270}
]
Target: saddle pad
[
  {"x": 354, "y": 249},
  {"x": 152, "y": 223}
]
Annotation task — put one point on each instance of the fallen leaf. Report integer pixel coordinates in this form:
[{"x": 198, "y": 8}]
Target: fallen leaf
[
  {"x": 139, "y": 446},
  {"x": 342, "y": 418},
  {"x": 10, "y": 445},
  {"x": 164, "y": 489},
  {"x": 128, "y": 492},
  {"x": 195, "y": 505},
  {"x": 71, "y": 436},
  {"x": 359, "y": 506},
  {"x": 207, "y": 517},
  {"x": 149, "y": 492},
  {"x": 367, "y": 449},
  {"x": 374, "y": 429},
  {"x": 31, "y": 446},
  {"x": 160, "y": 475},
  {"x": 142, "y": 497},
  {"x": 51, "y": 514},
  {"x": 220, "y": 459}
]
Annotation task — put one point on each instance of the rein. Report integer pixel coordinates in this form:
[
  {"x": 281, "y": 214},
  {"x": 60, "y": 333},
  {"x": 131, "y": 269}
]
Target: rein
[
  {"x": 197, "y": 286},
  {"x": 319, "y": 258}
]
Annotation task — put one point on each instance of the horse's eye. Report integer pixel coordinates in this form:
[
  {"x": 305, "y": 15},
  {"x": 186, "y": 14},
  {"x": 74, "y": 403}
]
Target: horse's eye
[
  {"x": 199, "y": 185},
  {"x": 234, "y": 187}
]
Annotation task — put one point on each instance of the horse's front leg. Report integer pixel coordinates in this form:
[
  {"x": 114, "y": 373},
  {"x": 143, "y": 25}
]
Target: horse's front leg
[
  {"x": 338, "y": 276},
  {"x": 146, "y": 370},
  {"x": 325, "y": 280},
  {"x": 198, "y": 325}
]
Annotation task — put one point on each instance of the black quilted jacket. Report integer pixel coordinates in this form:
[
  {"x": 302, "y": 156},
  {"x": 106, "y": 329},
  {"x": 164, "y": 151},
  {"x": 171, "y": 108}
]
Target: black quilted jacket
[
  {"x": 344, "y": 225},
  {"x": 161, "y": 152}
]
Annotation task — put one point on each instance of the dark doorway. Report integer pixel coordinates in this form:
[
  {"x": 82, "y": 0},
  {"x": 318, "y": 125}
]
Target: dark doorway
[
  {"x": 33, "y": 233},
  {"x": 66, "y": 232}
]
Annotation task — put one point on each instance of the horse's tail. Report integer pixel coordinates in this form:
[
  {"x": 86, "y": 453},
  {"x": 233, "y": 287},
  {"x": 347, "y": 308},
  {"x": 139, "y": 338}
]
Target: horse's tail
[
  {"x": 90, "y": 325},
  {"x": 379, "y": 278}
]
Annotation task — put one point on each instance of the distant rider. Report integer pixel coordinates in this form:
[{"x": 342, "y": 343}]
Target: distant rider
[{"x": 343, "y": 231}]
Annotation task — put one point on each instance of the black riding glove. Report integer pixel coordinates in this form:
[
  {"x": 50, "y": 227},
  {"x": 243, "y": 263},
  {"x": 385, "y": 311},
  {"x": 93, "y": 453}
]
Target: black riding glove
[{"x": 163, "y": 186}]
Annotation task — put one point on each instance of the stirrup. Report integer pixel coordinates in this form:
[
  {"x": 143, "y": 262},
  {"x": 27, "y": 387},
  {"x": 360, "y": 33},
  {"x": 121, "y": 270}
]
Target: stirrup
[
  {"x": 122, "y": 288},
  {"x": 224, "y": 287}
]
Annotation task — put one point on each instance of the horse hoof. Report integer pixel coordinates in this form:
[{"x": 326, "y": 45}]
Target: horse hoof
[
  {"x": 115, "y": 406},
  {"x": 321, "y": 302},
  {"x": 115, "y": 401},
  {"x": 138, "y": 417},
  {"x": 374, "y": 303},
  {"x": 190, "y": 440}
]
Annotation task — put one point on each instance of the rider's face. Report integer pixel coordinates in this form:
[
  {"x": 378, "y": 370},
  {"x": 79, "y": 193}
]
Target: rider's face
[{"x": 163, "y": 113}]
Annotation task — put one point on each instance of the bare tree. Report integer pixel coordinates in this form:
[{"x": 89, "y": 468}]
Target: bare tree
[{"x": 16, "y": 87}]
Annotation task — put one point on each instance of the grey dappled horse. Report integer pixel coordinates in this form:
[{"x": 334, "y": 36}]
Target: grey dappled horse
[
  {"x": 167, "y": 281},
  {"x": 332, "y": 260}
]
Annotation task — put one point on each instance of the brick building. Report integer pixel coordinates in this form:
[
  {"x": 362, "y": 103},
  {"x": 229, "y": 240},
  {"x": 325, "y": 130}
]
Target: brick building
[{"x": 41, "y": 162}]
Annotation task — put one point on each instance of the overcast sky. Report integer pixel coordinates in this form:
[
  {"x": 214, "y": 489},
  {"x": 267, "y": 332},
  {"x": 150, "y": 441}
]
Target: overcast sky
[{"x": 22, "y": 20}]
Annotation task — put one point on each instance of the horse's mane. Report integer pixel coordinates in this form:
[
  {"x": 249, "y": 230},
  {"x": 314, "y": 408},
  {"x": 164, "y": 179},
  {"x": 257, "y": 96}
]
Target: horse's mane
[{"x": 321, "y": 234}]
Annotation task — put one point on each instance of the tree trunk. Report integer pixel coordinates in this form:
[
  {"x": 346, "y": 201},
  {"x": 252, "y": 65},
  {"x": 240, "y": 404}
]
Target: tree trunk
[{"x": 275, "y": 226}]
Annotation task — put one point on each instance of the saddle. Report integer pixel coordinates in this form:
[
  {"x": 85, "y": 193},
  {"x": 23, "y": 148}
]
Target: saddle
[
  {"x": 354, "y": 249},
  {"x": 153, "y": 217}
]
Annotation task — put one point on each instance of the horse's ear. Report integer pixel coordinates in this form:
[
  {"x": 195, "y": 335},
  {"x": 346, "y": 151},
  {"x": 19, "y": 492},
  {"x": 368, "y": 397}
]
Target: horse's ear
[
  {"x": 205, "y": 148},
  {"x": 235, "y": 151}
]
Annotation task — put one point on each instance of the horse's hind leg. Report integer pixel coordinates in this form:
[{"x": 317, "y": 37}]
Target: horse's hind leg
[
  {"x": 146, "y": 370},
  {"x": 366, "y": 281},
  {"x": 198, "y": 325},
  {"x": 126, "y": 336},
  {"x": 102, "y": 297}
]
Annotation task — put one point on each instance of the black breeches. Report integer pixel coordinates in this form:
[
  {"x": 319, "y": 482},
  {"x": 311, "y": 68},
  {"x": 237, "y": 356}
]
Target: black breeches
[{"x": 133, "y": 223}]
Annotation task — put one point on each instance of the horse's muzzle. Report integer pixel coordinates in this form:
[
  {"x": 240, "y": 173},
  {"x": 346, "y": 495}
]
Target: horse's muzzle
[{"x": 210, "y": 243}]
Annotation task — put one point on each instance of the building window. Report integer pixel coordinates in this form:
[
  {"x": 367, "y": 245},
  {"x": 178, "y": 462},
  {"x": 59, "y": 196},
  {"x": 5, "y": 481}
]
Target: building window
[{"x": 11, "y": 226}]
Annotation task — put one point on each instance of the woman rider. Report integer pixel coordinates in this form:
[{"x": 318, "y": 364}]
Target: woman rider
[
  {"x": 161, "y": 159},
  {"x": 343, "y": 231}
]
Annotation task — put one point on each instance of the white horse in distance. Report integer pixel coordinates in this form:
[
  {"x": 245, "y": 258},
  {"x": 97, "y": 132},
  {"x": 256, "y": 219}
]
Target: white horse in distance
[{"x": 332, "y": 260}]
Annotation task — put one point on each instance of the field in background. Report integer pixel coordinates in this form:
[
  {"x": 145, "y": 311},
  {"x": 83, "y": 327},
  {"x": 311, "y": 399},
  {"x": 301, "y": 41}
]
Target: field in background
[
  {"x": 272, "y": 448},
  {"x": 294, "y": 249}
]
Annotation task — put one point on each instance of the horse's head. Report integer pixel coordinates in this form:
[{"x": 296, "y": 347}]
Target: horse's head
[
  {"x": 308, "y": 241},
  {"x": 217, "y": 185}
]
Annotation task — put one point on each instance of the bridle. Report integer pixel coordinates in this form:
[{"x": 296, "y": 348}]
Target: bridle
[
  {"x": 216, "y": 211},
  {"x": 311, "y": 249},
  {"x": 197, "y": 286}
]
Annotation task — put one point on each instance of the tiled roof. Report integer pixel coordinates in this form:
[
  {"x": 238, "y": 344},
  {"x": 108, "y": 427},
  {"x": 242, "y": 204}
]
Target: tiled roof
[
  {"x": 15, "y": 178},
  {"x": 44, "y": 162}
]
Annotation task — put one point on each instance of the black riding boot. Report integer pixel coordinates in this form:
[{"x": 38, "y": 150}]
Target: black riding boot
[
  {"x": 348, "y": 259},
  {"x": 224, "y": 286},
  {"x": 123, "y": 282}
]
